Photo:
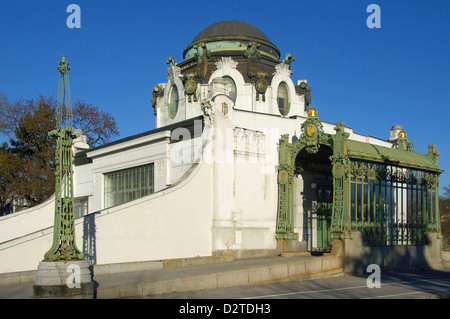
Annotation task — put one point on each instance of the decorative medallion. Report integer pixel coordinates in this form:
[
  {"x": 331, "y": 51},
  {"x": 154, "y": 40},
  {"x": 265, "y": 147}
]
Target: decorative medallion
[
  {"x": 310, "y": 130},
  {"x": 224, "y": 109},
  {"x": 190, "y": 86},
  {"x": 338, "y": 170},
  {"x": 261, "y": 85},
  {"x": 283, "y": 177}
]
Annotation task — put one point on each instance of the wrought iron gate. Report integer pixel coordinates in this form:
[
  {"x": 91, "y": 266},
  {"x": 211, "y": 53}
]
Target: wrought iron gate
[
  {"x": 391, "y": 205},
  {"x": 324, "y": 210},
  {"x": 389, "y": 194}
]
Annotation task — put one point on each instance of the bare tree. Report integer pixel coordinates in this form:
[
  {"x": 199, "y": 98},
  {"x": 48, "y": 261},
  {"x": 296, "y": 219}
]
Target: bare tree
[{"x": 27, "y": 163}]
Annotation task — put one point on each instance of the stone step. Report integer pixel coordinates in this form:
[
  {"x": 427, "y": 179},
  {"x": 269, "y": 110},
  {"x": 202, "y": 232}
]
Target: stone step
[{"x": 237, "y": 273}]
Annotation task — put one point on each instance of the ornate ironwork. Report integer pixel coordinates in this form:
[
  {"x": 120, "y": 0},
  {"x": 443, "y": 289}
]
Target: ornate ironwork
[
  {"x": 339, "y": 220},
  {"x": 286, "y": 169},
  {"x": 63, "y": 246},
  {"x": 389, "y": 204},
  {"x": 392, "y": 205},
  {"x": 285, "y": 217}
]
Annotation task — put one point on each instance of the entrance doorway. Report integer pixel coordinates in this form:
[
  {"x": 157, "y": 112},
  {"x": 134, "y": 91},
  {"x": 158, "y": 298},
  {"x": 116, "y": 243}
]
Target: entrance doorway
[{"x": 316, "y": 196}]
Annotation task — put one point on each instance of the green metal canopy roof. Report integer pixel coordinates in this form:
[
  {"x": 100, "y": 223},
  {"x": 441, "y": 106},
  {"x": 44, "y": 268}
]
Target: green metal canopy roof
[{"x": 399, "y": 157}]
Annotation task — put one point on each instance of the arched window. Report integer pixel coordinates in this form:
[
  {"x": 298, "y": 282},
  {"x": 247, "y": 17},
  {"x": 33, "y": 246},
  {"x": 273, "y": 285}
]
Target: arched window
[
  {"x": 173, "y": 101},
  {"x": 283, "y": 98},
  {"x": 230, "y": 87}
]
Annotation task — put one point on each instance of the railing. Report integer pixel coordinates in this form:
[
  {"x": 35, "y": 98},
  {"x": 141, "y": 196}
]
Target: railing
[{"x": 392, "y": 205}]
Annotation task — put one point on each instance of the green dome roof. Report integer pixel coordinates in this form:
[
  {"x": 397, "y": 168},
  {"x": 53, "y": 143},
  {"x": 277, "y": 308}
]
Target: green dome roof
[{"x": 232, "y": 35}]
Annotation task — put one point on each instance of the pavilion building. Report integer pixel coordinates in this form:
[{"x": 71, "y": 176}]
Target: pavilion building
[{"x": 239, "y": 163}]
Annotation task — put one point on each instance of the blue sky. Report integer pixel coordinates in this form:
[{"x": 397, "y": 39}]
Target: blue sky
[{"x": 371, "y": 79}]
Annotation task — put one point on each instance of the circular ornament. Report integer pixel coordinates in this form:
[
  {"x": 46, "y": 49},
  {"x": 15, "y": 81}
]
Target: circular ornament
[
  {"x": 338, "y": 170},
  {"x": 190, "y": 86},
  {"x": 261, "y": 86}
]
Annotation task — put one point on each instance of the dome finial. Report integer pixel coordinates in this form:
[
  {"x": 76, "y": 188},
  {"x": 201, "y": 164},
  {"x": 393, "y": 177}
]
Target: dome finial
[
  {"x": 402, "y": 135},
  {"x": 312, "y": 112}
]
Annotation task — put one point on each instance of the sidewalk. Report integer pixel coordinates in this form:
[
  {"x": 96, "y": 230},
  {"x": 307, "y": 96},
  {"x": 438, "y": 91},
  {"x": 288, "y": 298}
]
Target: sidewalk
[{"x": 208, "y": 276}]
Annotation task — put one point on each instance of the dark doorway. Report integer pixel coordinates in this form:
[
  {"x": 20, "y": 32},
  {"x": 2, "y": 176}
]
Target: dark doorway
[{"x": 317, "y": 194}]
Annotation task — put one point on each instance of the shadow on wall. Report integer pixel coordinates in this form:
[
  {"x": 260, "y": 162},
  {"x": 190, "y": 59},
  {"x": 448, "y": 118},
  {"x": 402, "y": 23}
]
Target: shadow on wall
[
  {"x": 307, "y": 222},
  {"x": 89, "y": 239},
  {"x": 392, "y": 258}
]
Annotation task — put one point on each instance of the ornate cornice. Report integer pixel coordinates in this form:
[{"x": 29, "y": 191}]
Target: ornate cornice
[
  {"x": 283, "y": 70},
  {"x": 226, "y": 64}
]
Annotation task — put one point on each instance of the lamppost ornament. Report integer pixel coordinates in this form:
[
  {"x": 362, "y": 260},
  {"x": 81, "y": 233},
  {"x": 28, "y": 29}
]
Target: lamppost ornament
[
  {"x": 64, "y": 247},
  {"x": 64, "y": 272}
]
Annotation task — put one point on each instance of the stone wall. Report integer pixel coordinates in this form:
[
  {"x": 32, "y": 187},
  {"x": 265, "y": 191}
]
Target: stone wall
[{"x": 358, "y": 256}]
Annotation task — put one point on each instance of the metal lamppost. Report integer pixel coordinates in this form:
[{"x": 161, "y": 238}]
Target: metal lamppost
[
  {"x": 64, "y": 272},
  {"x": 64, "y": 247}
]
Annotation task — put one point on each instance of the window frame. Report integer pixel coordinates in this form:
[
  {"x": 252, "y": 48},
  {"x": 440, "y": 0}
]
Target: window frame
[
  {"x": 285, "y": 110},
  {"x": 172, "y": 105},
  {"x": 80, "y": 206},
  {"x": 230, "y": 83},
  {"x": 125, "y": 185}
]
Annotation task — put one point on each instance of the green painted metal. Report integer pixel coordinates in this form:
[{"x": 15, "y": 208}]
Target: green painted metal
[
  {"x": 405, "y": 158},
  {"x": 63, "y": 246},
  {"x": 339, "y": 221},
  {"x": 311, "y": 138},
  {"x": 324, "y": 211},
  {"x": 389, "y": 194},
  {"x": 392, "y": 205},
  {"x": 228, "y": 46}
]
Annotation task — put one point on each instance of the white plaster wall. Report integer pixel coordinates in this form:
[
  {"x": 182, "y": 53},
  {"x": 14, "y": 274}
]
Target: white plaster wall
[
  {"x": 172, "y": 223},
  {"x": 26, "y": 254},
  {"x": 83, "y": 181},
  {"x": 27, "y": 221},
  {"x": 245, "y": 178},
  {"x": 136, "y": 152},
  {"x": 182, "y": 155}
]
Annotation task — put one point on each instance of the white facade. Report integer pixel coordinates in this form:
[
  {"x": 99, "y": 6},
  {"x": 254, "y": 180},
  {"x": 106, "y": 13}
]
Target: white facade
[{"x": 215, "y": 187}]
